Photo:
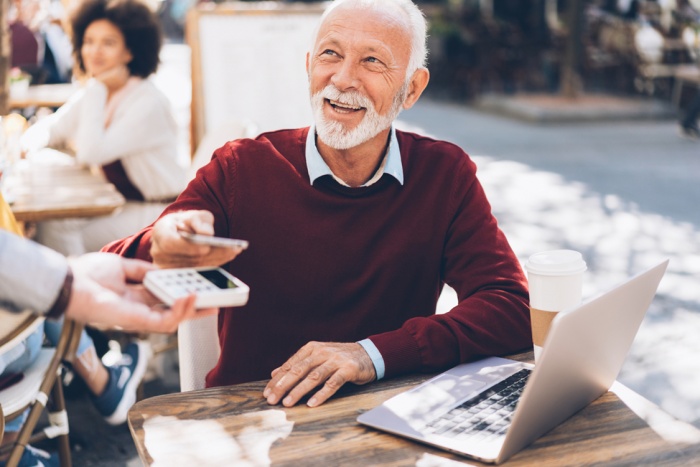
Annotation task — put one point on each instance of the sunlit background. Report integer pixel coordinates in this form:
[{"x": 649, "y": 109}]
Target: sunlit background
[{"x": 577, "y": 146}]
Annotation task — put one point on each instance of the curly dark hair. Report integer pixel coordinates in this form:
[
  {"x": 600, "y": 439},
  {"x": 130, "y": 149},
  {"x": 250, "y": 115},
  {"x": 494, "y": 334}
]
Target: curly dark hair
[{"x": 139, "y": 25}]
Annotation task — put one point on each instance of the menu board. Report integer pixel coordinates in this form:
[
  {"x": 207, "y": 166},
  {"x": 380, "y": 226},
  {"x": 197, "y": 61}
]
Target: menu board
[{"x": 248, "y": 64}]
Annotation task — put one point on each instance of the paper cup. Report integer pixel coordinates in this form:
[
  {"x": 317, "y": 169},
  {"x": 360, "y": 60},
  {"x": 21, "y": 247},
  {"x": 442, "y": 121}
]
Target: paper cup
[{"x": 555, "y": 278}]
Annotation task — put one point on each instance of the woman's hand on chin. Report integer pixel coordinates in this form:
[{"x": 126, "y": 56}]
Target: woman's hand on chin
[{"x": 114, "y": 78}]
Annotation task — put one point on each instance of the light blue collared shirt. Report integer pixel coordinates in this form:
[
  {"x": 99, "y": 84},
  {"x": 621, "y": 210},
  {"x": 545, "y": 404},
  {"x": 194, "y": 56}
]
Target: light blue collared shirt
[
  {"x": 391, "y": 165},
  {"x": 317, "y": 167}
]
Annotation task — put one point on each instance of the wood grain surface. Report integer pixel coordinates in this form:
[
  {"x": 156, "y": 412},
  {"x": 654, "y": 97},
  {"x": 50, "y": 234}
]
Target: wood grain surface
[
  {"x": 607, "y": 432},
  {"x": 43, "y": 95},
  {"x": 58, "y": 189}
]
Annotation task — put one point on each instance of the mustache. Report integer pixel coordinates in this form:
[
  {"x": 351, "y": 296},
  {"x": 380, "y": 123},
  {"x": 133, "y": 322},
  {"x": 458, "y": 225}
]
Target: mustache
[{"x": 353, "y": 98}]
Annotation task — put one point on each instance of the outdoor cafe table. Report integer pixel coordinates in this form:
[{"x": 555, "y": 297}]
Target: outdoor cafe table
[
  {"x": 52, "y": 186},
  {"x": 42, "y": 95},
  {"x": 234, "y": 425}
]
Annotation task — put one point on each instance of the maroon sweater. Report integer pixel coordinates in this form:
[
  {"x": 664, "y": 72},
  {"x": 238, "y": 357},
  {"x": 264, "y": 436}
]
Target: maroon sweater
[{"x": 332, "y": 263}]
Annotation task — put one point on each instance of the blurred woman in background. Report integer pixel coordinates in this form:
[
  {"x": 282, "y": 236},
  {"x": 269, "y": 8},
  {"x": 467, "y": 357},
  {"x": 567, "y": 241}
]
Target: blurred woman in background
[{"x": 118, "y": 121}]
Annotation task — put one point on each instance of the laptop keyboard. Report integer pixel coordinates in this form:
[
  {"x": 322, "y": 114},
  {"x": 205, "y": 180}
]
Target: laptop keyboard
[{"x": 484, "y": 416}]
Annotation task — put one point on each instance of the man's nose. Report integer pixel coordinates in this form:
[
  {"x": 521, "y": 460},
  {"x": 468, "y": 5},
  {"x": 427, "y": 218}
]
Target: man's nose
[{"x": 345, "y": 76}]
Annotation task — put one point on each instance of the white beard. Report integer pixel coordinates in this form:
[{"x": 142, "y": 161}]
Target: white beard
[{"x": 335, "y": 135}]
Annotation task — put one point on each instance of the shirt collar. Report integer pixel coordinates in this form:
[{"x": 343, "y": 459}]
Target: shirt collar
[{"x": 317, "y": 167}]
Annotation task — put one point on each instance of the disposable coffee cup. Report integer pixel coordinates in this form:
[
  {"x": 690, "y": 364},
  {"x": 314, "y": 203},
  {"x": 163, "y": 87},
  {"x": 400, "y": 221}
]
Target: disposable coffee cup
[{"x": 556, "y": 281}]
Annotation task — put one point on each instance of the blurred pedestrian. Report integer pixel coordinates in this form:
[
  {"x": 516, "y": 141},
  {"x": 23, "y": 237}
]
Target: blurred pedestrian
[{"x": 689, "y": 122}]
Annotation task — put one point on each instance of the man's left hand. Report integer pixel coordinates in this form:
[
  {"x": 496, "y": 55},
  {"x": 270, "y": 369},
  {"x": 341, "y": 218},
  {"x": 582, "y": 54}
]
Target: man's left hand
[{"x": 325, "y": 364}]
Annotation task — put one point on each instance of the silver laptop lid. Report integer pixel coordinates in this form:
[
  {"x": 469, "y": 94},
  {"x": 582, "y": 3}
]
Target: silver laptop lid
[{"x": 583, "y": 354}]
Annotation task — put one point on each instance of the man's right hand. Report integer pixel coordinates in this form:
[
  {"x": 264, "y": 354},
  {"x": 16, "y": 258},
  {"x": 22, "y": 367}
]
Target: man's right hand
[{"x": 170, "y": 250}]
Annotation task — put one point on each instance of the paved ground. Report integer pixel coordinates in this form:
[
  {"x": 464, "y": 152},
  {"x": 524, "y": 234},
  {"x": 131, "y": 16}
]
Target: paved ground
[{"x": 624, "y": 193}]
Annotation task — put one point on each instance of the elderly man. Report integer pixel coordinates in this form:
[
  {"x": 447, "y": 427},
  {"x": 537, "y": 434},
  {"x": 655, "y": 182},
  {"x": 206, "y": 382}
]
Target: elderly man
[{"x": 354, "y": 228}]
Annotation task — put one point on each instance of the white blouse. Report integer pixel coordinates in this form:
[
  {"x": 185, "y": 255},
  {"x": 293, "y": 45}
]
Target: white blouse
[{"x": 142, "y": 133}]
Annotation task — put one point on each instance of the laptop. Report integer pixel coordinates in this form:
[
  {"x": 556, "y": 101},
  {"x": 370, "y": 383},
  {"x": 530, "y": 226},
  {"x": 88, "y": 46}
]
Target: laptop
[{"x": 471, "y": 409}]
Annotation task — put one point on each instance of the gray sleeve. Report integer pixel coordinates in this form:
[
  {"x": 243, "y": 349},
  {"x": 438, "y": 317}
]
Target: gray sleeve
[{"x": 31, "y": 275}]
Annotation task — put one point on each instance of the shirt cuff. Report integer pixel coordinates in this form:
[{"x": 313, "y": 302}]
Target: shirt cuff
[{"x": 375, "y": 356}]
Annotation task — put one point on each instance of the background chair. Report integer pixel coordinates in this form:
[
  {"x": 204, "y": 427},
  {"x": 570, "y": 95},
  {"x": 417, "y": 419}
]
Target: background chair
[
  {"x": 40, "y": 380},
  {"x": 198, "y": 351},
  {"x": 233, "y": 129}
]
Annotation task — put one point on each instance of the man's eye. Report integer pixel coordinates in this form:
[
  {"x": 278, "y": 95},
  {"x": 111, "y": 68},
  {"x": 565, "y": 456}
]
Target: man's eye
[
  {"x": 372, "y": 60},
  {"x": 328, "y": 52}
]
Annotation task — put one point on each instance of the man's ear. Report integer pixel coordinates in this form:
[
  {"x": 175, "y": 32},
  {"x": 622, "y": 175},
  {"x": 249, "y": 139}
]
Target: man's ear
[
  {"x": 418, "y": 83},
  {"x": 308, "y": 54}
]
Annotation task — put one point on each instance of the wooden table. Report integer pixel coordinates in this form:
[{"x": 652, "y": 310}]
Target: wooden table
[
  {"x": 57, "y": 188},
  {"x": 43, "y": 95},
  {"x": 235, "y": 426}
]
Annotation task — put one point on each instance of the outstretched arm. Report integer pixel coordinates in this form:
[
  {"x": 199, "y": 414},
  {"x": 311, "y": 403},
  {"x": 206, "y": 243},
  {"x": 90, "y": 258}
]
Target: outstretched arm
[
  {"x": 97, "y": 288},
  {"x": 107, "y": 291}
]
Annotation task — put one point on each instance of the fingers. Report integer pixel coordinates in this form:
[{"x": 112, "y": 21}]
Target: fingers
[
  {"x": 288, "y": 375},
  {"x": 325, "y": 365},
  {"x": 105, "y": 269},
  {"x": 164, "y": 258},
  {"x": 114, "y": 77},
  {"x": 135, "y": 270},
  {"x": 216, "y": 256},
  {"x": 167, "y": 321},
  {"x": 166, "y": 229},
  {"x": 334, "y": 379},
  {"x": 188, "y": 309},
  {"x": 202, "y": 222},
  {"x": 157, "y": 319},
  {"x": 182, "y": 309},
  {"x": 127, "y": 306},
  {"x": 138, "y": 293},
  {"x": 282, "y": 377},
  {"x": 331, "y": 387},
  {"x": 169, "y": 249}
]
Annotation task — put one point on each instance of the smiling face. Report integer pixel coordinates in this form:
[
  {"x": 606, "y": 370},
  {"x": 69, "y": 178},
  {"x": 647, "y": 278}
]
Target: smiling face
[
  {"x": 357, "y": 74},
  {"x": 104, "y": 47}
]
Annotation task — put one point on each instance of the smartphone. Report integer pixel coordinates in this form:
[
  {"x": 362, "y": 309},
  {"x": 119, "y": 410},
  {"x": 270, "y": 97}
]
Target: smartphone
[
  {"x": 210, "y": 240},
  {"x": 214, "y": 287}
]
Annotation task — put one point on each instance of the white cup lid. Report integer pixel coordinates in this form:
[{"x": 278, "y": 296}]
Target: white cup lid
[{"x": 556, "y": 263}]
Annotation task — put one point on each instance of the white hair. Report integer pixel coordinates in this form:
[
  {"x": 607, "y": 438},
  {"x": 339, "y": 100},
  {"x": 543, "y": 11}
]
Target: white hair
[{"x": 416, "y": 24}]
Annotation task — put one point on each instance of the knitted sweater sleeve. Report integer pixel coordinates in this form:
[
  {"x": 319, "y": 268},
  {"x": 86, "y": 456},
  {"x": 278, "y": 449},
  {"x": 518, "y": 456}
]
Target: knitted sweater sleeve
[{"x": 492, "y": 316}]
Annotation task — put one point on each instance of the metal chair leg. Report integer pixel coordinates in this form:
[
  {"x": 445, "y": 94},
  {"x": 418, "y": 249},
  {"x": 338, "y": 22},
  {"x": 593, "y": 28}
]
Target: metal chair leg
[{"x": 65, "y": 350}]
